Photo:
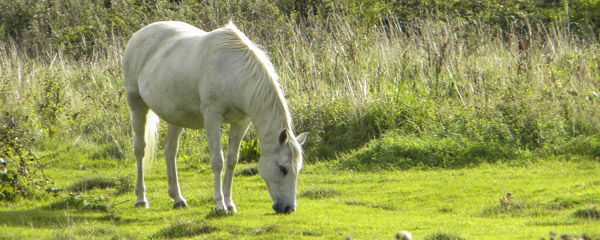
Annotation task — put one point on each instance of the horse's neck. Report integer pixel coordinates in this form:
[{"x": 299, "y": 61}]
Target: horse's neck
[{"x": 269, "y": 129}]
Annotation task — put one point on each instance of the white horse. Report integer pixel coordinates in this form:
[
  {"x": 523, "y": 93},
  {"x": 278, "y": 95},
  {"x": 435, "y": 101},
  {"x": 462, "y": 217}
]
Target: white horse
[{"x": 196, "y": 79}]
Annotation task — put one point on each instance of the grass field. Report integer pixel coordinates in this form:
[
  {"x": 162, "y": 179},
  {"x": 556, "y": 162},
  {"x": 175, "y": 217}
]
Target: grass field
[{"x": 550, "y": 195}]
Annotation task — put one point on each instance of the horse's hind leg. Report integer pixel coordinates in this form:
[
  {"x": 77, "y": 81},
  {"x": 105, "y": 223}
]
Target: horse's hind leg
[
  {"x": 139, "y": 111},
  {"x": 236, "y": 133},
  {"x": 171, "y": 146}
]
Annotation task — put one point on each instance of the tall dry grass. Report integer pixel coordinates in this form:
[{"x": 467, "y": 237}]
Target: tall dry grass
[{"x": 533, "y": 87}]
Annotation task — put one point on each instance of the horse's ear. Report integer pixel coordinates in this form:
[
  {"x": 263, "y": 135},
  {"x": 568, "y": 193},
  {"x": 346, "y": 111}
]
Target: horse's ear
[
  {"x": 283, "y": 136},
  {"x": 302, "y": 137}
]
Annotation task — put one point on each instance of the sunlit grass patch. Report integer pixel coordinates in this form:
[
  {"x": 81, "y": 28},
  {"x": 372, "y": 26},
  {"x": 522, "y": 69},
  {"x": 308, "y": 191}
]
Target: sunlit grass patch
[{"x": 182, "y": 229}]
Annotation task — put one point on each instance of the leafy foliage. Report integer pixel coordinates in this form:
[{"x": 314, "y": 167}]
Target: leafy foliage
[{"x": 21, "y": 174}]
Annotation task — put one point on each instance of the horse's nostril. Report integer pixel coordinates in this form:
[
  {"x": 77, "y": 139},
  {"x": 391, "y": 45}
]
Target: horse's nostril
[{"x": 280, "y": 208}]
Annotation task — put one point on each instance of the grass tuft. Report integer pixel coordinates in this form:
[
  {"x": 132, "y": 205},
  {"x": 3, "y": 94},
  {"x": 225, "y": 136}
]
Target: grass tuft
[
  {"x": 512, "y": 208},
  {"x": 81, "y": 202},
  {"x": 185, "y": 229},
  {"x": 384, "y": 206},
  {"x": 123, "y": 184},
  {"x": 319, "y": 193},
  {"x": 264, "y": 230},
  {"x": 563, "y": 203},
  {"x": 247, "y": 172},
  {"x": 588, "y": 213},
  {"x": 443, "y": 236}
]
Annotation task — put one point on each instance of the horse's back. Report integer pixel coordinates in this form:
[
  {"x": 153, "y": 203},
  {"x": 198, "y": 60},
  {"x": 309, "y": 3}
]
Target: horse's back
[
  {"x": 175, "y": 68},
  {"x": 146, "y": 42}
]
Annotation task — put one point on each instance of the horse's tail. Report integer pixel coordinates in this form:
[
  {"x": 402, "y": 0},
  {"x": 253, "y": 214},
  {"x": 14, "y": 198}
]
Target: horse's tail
[{"x": 150, "y": 135}]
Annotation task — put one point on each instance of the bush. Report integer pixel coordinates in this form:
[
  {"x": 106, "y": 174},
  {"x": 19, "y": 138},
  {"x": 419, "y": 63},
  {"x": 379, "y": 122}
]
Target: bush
[{"x": 21, "y": 174}]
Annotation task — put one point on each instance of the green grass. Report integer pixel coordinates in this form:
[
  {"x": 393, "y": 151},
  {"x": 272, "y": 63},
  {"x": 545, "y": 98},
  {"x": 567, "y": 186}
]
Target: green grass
[
  {"x": 419, "y": 121},
  {"x": 550, "y": 195}
]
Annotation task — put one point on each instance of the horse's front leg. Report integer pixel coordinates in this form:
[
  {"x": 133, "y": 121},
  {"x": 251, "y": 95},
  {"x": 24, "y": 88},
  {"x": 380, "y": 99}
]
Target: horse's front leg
[
  {"x": 212, "y": 125},
  {"x": 171, "y": 148},
  {"x": 236, "y": 133},
  {"x": 139, "y": 112}
]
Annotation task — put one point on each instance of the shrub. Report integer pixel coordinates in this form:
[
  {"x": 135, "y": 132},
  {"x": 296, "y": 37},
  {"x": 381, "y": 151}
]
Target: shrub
[{"x": 21, "y": 173}]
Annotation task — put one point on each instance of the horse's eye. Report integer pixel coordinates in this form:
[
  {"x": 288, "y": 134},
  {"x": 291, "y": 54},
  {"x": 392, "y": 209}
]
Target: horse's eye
[{"x": 283, "y": 170}]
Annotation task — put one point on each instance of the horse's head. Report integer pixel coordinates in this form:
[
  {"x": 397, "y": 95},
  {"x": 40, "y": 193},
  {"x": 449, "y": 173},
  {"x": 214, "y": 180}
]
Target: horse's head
[{"x": 279, "y": 166}]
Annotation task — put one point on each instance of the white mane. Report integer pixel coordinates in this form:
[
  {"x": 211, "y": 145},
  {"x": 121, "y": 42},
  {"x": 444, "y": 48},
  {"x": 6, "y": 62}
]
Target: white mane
[{"x": 260, "y": 85}]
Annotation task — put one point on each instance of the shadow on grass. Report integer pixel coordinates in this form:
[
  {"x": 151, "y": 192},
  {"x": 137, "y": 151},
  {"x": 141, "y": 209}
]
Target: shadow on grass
[{"x": 40, "y": 218}]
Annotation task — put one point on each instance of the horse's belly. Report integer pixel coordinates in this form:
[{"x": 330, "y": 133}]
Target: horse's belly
[{"x": 178, "y": 108}]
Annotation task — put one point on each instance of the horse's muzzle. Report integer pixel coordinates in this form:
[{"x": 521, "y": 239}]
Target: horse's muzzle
[{"x": 283, "y": 208}]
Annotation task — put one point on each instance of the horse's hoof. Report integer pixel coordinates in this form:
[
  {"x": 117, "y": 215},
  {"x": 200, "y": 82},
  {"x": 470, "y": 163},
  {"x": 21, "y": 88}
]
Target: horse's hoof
[
  {"x": 142, "y": 205},
  {"x": 221, "y": 212},
  {"x": 231, "y": 209},
  {"x": 181, "y": 204}
]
